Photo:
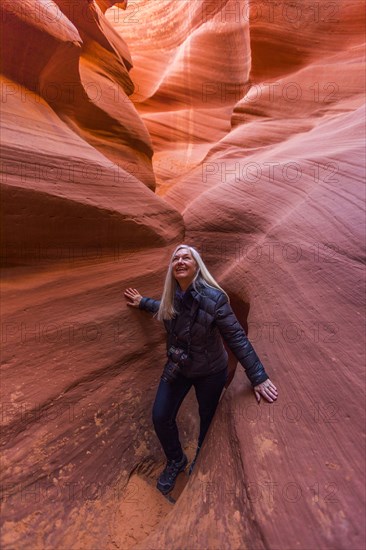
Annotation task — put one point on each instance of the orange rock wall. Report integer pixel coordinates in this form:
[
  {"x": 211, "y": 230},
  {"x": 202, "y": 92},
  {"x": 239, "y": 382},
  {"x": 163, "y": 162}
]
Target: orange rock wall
[{"x": 237, "y": 127}]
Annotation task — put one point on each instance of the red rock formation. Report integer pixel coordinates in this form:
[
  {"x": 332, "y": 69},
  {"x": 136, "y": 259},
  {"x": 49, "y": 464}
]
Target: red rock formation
[{"x": 256, "y": 117}]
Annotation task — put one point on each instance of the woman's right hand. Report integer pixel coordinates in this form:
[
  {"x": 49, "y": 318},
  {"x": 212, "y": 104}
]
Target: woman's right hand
[{"x": 133, "y": 296}]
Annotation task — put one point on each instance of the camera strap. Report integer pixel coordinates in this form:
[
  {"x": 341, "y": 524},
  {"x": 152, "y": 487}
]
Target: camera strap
[{"x": 192, "y": 318}]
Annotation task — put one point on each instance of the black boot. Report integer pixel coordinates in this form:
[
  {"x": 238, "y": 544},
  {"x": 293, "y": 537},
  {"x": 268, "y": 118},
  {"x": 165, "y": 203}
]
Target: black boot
[
  {"x": 168, "y": 476},
  {"x": 194, "y": 460}
]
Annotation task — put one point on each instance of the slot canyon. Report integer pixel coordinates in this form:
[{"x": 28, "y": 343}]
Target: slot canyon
[{"x": 235, "y": 126}]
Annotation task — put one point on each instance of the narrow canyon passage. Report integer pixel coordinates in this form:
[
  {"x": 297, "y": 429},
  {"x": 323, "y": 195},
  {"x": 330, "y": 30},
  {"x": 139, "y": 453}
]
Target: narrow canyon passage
[{"x": 128, "y": 128}]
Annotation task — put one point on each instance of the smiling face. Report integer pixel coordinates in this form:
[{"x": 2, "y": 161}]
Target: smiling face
[{"x": 184, "y": 267}]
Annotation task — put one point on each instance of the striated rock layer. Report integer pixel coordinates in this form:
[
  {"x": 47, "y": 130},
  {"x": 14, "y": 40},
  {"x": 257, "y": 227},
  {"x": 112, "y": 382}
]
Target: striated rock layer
[{"x": 255, "y": 114}]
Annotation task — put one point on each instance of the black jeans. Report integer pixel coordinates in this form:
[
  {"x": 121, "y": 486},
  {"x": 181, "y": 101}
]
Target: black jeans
[{"x": 169, "y": 398}]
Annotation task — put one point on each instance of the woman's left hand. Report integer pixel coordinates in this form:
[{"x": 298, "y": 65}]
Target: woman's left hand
[{"x": 267, "y": 389}]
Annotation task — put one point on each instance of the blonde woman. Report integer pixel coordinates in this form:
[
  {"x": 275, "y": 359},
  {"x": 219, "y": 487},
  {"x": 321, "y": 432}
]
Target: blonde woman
[{"x": 197, "y": 316}]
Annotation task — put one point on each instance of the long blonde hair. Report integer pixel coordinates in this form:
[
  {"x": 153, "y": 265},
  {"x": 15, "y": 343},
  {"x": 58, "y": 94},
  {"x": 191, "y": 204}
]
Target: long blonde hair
[{"x": 166, "y": 309}]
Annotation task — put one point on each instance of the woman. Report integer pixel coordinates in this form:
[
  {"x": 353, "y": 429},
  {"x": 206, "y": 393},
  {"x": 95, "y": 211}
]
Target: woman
[{"x": 197, "y": 315}]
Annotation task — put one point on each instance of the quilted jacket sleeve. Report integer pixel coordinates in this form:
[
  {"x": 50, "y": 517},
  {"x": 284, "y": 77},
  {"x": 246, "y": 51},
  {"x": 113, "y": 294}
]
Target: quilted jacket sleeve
[
  {"x": 148, "y": 304},
  {"x": 235, "y": 337}
]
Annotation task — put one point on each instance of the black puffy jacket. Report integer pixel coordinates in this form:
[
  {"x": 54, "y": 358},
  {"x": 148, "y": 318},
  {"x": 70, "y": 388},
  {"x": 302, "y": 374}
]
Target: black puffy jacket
[{"x": 210, "y": 317}]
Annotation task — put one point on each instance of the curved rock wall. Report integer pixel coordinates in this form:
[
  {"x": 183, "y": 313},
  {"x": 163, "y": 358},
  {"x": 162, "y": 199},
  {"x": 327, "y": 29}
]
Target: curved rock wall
[{"x": 255, "y": 114}]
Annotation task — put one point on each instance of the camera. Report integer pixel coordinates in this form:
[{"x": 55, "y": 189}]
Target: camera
[
  {"x": 178, "y": 355},
  {"x": 178, "y": 358}
]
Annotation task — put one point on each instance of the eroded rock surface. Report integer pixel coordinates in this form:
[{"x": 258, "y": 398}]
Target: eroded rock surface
[{"x": 255, "y": 115}]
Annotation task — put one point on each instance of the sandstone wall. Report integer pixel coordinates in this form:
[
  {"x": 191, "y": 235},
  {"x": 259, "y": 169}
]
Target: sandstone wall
[{"x": 237, "y": 127}]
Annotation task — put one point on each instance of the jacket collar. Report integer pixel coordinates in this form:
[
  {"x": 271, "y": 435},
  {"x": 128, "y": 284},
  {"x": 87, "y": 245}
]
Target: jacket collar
[
  {"x": 196, "y": 295},
  {"x": 190, "y": 289}
]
